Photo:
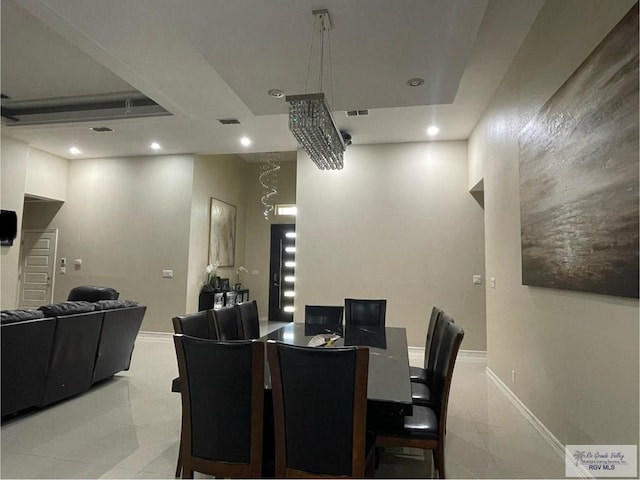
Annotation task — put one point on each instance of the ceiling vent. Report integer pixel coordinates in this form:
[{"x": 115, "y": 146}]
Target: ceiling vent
[
  {"x": 102, "y": 129},
  {"x": 229, "y": 121},
  {"x": 83, "y": 108},
  {"x": 357, "y": 113}
]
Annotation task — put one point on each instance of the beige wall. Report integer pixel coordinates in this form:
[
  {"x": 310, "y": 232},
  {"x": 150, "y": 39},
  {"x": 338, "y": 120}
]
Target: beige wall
[
  {"x": 258, "y": 238},
  {"x": 397, "y": 223},
  {"x": 575, "y": 354},
  {"x": 47, "y": 175},
  {"x": 13, "y": 173},
  {"x": 222, "y": 177},
  {"x": 127, "y": 219}
]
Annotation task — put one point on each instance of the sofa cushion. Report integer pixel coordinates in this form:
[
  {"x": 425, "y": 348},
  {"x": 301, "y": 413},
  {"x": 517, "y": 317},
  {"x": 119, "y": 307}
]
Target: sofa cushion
[
  {"x": 111, "y": 304},
  {"x": 11, "y": 316},
  {"x": 67, "y": 308},
  {"x": 92, "y": 293}
]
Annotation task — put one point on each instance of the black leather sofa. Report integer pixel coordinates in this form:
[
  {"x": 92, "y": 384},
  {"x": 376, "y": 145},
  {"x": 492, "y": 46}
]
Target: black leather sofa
[{"x": 63, "y": 349}]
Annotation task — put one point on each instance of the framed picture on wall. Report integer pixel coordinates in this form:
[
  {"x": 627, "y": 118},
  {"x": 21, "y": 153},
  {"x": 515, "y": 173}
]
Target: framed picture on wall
[{"x": 222, "y": 233}]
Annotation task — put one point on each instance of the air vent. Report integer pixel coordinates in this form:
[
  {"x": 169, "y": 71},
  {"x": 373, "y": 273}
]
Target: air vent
[
  {"x": 102, "y": 129},
  {"x": 229, "y": 121},
  {"x": 357, "y": 113},
  {"x": 83, "y": 108}
]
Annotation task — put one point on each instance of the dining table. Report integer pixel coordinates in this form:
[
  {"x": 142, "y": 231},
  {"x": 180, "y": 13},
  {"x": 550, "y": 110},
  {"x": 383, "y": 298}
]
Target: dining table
[{"x": 389, "y": 384}]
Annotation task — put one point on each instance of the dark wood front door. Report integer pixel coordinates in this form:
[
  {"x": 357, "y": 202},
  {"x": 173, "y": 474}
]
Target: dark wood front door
[{"x": 282, "y": 272}]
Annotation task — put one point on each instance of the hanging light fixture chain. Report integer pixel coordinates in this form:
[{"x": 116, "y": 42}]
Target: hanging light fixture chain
[
  {"x": 330, "y": 101},
  {"x": 313, "y": 37},
  {"x": 321, "y": 53}
]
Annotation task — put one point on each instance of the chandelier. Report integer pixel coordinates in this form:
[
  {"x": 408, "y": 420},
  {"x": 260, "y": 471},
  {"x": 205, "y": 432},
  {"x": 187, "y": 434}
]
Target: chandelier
[
  {"x": 310, "y": 119},
  {"x": 269, "y": 166}
]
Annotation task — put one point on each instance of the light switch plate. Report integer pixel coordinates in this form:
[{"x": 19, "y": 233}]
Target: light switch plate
[
  {"x": 167, "y": 273},
  {"x": 477, "y": 279}
]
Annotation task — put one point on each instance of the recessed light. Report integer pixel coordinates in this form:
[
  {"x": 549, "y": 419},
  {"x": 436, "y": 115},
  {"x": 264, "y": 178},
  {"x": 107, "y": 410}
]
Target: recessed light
[
  {"x": 415, "y": 82},
  {"x": 155, "y": 146},
  {"x": 245, "y": 141},
  {"x": 276, "y": 93},
  {"x": 432, "y": 130},
  {"x": 75, "y": 151}
]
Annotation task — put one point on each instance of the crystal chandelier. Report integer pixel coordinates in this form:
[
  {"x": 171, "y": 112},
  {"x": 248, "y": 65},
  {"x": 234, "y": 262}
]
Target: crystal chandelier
[
  {"x": 310, "y": 119},
  {"x": 269, "y": 166}
]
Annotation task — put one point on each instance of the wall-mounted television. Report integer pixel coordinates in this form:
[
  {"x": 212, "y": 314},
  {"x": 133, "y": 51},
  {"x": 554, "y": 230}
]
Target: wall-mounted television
[{"x": 8, "y": 227}]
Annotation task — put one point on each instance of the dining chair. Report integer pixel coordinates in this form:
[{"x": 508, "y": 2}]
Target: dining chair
[
  {"x": 426, "y": 427},
  {"x": 365, "y": 313},
  {"x": 419, "y": 374},
  {"x": 222, "y": 407},
  {"x": 196, "y": 324},
  {"x": 225, "y": 322},
  {"x": 248, "y": 319},
  {"x": 422, "y": 393},
  {"x": 323, "y": 315},
  {"x": 199, "y": 325},
  {"x": 320, "y": 411}
]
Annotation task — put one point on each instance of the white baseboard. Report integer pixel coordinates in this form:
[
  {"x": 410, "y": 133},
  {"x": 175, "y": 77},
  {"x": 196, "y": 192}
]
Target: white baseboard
[
  {"x": 161, "y": 337},
  {"x": 551, "y": 439},
  {"x": 416, "y": 355},
  {"x": 479, "y": 356}
]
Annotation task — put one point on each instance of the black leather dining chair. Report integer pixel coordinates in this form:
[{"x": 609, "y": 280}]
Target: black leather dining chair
[
  {"x": 320, "y": 411},
  {"x": 323, "y": 315},
  {"x": 222, "y": 407},
  {"x": 225, "y": 322},
  {"x": 365, "y": 313},
  {"x": 196, "y": 324},
  {"x": 199, "y": 325},
  {"x": 426, "y": 427},
  {"x": 422, "y": 393},
  {"x": 248, "y": 319},
  {"x": 419, "y": 374}
]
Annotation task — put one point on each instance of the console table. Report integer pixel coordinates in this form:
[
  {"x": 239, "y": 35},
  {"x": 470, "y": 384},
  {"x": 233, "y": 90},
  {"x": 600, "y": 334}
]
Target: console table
[{"x": 219, "y": 299}]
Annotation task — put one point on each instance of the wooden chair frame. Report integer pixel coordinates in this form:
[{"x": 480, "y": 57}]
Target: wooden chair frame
[
  {"x": 191, "y": 463},
  {"x": 213, "y": 335},
  {"x": 361, "y": 463}
]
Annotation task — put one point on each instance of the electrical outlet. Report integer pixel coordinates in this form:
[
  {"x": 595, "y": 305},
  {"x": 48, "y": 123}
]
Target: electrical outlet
[{"x": 493, "y": 282}]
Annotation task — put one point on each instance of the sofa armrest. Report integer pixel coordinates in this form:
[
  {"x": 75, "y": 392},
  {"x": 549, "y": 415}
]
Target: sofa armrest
[
  {"x": 26, "y": 348},
  {"x": 119, "y": 331}
]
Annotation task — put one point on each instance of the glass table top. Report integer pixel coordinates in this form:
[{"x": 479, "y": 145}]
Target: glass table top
[{"x": 389, "y": 381}]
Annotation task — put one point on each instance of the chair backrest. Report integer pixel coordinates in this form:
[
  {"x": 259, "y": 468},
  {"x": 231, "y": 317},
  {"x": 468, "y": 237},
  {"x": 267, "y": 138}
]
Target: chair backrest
[
  {"x": 323, "y": 314},
  {"x": 196, "y": 324},
  {"x": 433, "y": 319},
  {"x": 225, "y": 321},
  {"x": 320, "y": 409},
  {"x": 436, "y": 342},
  {"x": 222, "y": 406},
  {"x": 365, "y": 312},
  {"x": 90, "y": 293},
  {"x": 248, "y": 319},
  {"x": 443, "y": 370}
]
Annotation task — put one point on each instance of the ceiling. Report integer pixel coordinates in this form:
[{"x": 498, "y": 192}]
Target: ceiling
[{"x": 206, "y": 60}]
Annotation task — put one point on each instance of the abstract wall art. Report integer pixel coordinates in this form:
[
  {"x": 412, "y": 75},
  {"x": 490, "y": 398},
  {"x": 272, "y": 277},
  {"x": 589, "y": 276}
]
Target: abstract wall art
[
  {"x": 222, "y": 234},
  {"x": 579, "y": 175}
]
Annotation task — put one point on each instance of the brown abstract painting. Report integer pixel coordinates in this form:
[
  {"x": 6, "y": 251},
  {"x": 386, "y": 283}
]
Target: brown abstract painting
[{"x": 579, "y": 175}]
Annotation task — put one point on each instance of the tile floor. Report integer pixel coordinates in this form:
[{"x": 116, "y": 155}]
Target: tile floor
[{"x": 129, "y": 427}]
